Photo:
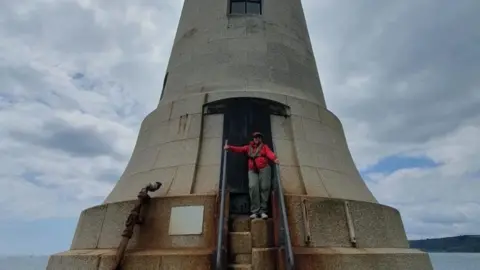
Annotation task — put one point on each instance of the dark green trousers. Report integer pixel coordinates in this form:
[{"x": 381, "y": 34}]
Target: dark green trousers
[{"x": 259, "y": 185}]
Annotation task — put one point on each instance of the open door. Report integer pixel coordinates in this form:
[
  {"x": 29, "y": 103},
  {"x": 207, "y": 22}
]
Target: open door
[{"x": 243, "y": 117}]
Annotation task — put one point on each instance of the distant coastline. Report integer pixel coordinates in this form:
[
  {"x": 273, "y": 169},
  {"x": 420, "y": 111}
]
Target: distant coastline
[{"x": 458, "y": 244}]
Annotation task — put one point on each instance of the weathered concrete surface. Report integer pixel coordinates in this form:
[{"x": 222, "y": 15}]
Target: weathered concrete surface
[
  {"x": 102, "y": 226},
  {"x": 241, "y": 258},
  {"x": 239, "y": 267},
  {"x": 240, "y": 242},
  {"x": 240, "y": 224},
  {"x": 217, "y": 56},
  {"x": 178, "y": 152},
  {"x": 184, "y": 154},
  {"x": 264, "y": 258},
  {"x": 361, "y": 259},
  {"x": 262, "y": 233},
  {"x": 220, "y": 53},
  {"x": 378, "y": 229},
  {"x": 103, "y": 259},
  {"x": 375, "y": 225}
]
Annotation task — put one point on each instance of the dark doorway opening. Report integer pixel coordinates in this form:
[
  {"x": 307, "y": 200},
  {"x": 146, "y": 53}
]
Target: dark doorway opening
[{"x": 243, "y": 117}]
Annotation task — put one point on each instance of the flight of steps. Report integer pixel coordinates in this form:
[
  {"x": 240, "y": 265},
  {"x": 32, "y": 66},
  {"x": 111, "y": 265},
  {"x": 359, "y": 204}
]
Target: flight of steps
[{"x": 251, "y": 244}]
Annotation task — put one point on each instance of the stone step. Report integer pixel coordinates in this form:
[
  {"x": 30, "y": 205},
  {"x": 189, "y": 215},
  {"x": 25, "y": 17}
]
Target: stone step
[
  {"x": 240, "y": 223},
  {"x": 264, "y": 258},
  {"x": 241, "y": 258},
  {"x": 262, "y": 233},
  {"x": 240, "y": 266},
  {"x": 240, "y": 243}
]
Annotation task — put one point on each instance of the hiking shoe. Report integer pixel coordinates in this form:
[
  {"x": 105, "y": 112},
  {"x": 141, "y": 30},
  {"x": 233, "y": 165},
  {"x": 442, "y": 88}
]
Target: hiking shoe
[
  {"x": 264, "y": 216},
  {"x": 253, "y": 216}
]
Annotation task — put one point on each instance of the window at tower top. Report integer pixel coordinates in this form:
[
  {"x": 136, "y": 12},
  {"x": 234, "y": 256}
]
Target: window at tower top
[{"x": 245, "y": 6}]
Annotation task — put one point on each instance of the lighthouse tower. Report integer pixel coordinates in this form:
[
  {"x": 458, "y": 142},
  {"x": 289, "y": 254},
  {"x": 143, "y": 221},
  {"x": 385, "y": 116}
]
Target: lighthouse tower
[{"x": 239, "y": 66}]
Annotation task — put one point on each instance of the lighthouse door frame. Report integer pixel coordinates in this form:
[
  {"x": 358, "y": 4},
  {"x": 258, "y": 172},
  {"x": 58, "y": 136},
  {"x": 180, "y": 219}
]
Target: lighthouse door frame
[{"x": 243, "y": 116}]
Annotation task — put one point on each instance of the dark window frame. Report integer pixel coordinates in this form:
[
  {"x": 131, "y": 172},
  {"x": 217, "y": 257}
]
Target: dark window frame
[{"x": 245, "y": 8}]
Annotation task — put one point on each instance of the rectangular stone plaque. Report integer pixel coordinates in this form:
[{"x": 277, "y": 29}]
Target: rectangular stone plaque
[{"x": 186, "y": 220}]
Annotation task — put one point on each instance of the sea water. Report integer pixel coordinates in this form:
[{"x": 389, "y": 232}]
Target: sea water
[
  {"x": 440, "y": 261},
  {"x": 455, "y": 261}
]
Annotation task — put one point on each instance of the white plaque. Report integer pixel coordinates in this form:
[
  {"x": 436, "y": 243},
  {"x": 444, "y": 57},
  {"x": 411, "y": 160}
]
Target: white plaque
[{"x": 186, "y": 220}]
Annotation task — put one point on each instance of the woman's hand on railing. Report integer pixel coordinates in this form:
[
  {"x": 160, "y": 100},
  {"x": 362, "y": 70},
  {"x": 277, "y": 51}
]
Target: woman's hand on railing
[
  {"x": 226, "y": 147},
  {"x": 276, "y": 161}
]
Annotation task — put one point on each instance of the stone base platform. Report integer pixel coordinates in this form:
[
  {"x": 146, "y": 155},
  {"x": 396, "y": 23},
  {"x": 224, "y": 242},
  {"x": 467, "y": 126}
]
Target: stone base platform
[
  {"x": 104, "y": 259},
  {"x": 200, "y": 259},
  {"x": 322, "y": 231},
  {"x": 361, "y": 259}
]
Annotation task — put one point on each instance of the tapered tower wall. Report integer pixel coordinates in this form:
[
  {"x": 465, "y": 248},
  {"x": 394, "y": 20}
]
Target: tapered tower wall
[
  {"x": 181, "y": 147},
  {"x": 217, "y": 56},
  {"x": 270, "y": 53}
]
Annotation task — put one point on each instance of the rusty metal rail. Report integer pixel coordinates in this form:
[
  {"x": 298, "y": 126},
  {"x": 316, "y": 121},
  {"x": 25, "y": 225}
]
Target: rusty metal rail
[
  {"x": 351, "y": 227},
  {"x": 306, "y": 223},
  {"x": 133, "y": 219}
]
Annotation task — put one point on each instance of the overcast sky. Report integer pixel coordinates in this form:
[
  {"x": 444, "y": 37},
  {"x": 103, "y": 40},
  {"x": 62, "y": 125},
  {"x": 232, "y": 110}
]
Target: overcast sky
[{"x": 77, "y": 77}]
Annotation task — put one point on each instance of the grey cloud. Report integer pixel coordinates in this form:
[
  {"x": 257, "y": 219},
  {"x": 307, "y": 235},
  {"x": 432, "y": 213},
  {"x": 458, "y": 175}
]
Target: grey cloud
[
  {"x": 421, "y": 230},
  {"x": 421, "y": 59},
  {"x": 71, "y": 29},
  {"x": 110, "y": 175},
  {"x": 81, "y": 81},
  {"x": 445, "y": 217},
  {"x": 18, "y": 78},
  {"x": 32, "y": 177},
  {"x": 438, "y": 212},
  {"x": 83, "y": 141},
  {"x": 23, "y": 82},
  {"x": 78, "y": 76}
]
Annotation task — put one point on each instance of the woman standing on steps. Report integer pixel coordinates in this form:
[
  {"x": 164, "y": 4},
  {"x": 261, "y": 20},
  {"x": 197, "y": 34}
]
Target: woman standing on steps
[{"x": 259, "y": 173}]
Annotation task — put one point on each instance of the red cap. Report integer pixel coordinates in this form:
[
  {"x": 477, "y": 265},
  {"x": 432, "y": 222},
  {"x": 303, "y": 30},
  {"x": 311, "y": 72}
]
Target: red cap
[{"x": 257, "y": 134}]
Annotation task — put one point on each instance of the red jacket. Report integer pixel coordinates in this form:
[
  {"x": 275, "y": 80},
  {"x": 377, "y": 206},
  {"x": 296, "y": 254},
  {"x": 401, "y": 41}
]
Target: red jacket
[{"x": 260, "y": 161}]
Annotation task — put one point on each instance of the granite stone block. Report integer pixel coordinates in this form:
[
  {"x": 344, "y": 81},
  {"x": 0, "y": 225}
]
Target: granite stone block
[
  {"x": 369, "y": 223},
  {"x": 114, "y": 224},
  {"x": 242, "y": 258},
  {"x": 89, "y": 227},
  {"x": 73, "y": 262},
  {"x": 395, "y": 230},
  {"x": 328, "y": 223},
  {"x": 240, "y": 224},
  {"x": 240, "y": 242},
  {"x": 262, "y": 233},
  {"x": 264, "y": 258}
]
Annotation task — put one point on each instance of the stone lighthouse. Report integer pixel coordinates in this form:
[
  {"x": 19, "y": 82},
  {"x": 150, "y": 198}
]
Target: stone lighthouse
[{"x": 237, "y": 67}]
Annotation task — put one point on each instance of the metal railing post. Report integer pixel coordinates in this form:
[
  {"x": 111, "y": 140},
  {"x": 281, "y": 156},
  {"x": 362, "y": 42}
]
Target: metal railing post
[
  {"x": 219, "y": 256},
  {"x": 284, "y": 220}
]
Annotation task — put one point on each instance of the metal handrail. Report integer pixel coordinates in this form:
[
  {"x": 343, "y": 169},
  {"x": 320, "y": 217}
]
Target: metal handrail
[
  {"x": 220, "y": 235},
  {"x": 283, "y": 211}
]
